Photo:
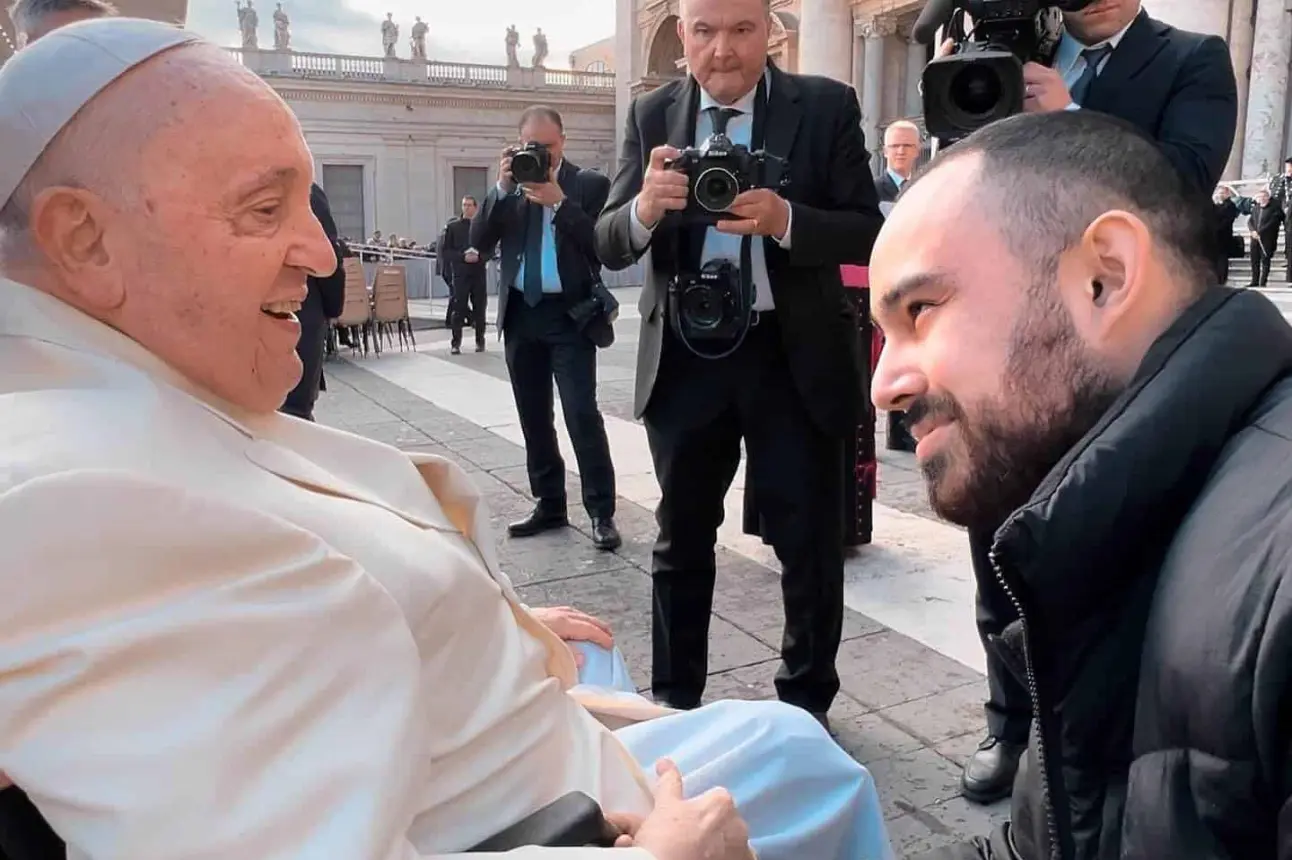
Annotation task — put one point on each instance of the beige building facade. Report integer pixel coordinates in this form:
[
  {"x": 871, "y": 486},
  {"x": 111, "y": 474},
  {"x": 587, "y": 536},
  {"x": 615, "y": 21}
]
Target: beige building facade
[
  {"x": 397, "y": 142},
  {"x": 597, "y": 57},
  {"x": 868, "y": 44}
]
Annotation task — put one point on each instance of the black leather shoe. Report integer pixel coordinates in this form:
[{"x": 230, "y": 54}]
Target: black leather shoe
[
  {"x": 604, "y": 534},
  {"x": 544, "y": 518},
  {"x": 989, "y": 773},
  {"x": 823, "y": 718}
]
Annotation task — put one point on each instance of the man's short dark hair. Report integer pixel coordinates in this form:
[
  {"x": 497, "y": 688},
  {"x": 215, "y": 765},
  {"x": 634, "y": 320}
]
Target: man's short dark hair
[
  {"x": 471, "y": 197},
  {"x": 1048, "y": 176},
  {"x": 546, "y": 112}
]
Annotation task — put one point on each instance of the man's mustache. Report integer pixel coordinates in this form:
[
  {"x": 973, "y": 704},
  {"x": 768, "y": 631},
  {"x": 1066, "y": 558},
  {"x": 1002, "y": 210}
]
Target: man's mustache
[{"x": 942, "y": 408}]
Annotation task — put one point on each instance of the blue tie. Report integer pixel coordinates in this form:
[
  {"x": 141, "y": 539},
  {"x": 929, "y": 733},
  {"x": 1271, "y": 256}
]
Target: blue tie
[
  {"x": 1093, "y": 57},
  {"x": 533, "y": 285}
]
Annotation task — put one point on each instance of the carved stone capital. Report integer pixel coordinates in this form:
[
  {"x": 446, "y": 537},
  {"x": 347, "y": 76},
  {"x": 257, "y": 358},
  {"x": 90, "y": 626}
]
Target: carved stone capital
[{"x": 876, "y": 27}]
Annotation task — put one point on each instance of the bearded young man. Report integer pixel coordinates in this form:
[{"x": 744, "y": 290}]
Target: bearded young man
[{"x": 1132, "y": 429}]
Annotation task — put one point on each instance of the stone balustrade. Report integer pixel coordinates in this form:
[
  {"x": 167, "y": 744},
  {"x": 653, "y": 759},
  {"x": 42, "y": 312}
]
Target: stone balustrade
[{"x": 296, "y": 64}]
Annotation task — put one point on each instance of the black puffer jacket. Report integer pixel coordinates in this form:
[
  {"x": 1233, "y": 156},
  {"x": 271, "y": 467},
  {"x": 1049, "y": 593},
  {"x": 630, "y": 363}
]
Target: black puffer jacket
[{"x": 1153, "y": 571}]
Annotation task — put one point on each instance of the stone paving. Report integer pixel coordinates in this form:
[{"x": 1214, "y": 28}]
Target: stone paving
[{"x": 910, "y": 714}]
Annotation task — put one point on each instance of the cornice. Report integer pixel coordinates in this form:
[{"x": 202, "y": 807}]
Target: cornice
[{"x": 291, "y": 94}]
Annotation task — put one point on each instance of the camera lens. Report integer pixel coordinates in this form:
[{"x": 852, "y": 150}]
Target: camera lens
[
  {"x": 716, "y": 189},
  {"x": 976, "y": 90},
  {"x": 702, "y": 307},
  {"x": 525, "y": 167}
]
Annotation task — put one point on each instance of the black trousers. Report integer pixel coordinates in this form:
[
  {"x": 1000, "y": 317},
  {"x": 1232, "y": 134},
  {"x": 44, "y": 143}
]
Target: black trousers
[
  {"x": 542, "y": 343},
  {"x": 700, "y": 410},
  {"x": 311, "y": 347},
  {"x": 1009, "y": 706},
  {"x": 468, "y": 302},
  {"x": 1260, "y": 264}
]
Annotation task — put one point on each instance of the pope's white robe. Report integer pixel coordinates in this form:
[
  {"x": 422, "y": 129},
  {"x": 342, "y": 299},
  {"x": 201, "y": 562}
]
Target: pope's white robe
[{"x": 232, "y": 635}]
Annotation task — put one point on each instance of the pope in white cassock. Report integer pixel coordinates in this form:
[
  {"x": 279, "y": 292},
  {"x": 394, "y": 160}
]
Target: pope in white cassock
[{"x": 227, "y": 633}]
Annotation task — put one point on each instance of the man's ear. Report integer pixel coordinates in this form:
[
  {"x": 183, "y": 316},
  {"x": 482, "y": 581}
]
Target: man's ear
[
  {"x": 1116, "y": 249},
  {"x": 69, "y": 227}
]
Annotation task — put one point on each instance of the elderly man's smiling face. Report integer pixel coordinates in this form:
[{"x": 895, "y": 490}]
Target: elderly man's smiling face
[
  {"x": 980, "y": 350},
  {"x": 204, "y": 254}
]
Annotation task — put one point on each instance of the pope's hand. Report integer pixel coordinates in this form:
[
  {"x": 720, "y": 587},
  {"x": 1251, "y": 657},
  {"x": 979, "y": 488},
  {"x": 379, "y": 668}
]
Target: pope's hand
[
  {"x": 575, "y": 626},
  {"x": 707, "y": 827}
]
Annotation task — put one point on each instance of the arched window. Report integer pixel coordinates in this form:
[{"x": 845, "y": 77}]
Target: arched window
[{"x": 597, "y": 66}]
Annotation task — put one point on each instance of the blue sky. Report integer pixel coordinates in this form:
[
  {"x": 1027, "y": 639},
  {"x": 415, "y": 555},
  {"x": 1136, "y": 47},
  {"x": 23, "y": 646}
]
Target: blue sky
[{"x": 461, "y": 30}]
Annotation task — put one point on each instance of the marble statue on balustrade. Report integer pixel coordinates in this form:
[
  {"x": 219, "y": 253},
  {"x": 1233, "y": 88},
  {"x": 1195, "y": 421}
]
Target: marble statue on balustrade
[
  {"x": 248, "y": 24},
  {"x": 513, "y": 44},
  {"x": 418, "y": 43},
  {"x": 282, "y": 30},
  {"x": 540, "y": 49},
  {"x": 389, "y": 34}
]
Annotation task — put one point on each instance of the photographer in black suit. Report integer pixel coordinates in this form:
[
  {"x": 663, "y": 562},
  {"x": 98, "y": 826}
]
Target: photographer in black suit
[
  {"x": 1178, "y": 87},
  {"x": 549, "y": 267},
  {"x": 791, "y": 389}
]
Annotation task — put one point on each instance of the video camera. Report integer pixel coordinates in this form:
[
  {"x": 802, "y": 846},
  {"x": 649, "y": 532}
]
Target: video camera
[
  {"x": 531, "y": 163},
  {"x": 983, "y": 80},
  {"x": 718, "y": 171}
]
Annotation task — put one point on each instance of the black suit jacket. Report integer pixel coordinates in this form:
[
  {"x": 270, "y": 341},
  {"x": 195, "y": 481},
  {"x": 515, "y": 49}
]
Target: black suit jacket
[
  {"x": 501, "y": 219},
  {"x": 327, "y": 293},
  {"x": 453, "y": 246},
  {"x": 815, "y": 123},
  {"x": 886, "y": 187},
  {"x": 1179, "y": 88},
  {"x": 1265, "y": 221}
]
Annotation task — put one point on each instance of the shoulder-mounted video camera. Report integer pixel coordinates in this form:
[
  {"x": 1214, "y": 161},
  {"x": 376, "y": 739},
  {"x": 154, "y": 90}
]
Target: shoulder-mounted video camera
[
  {"x": 719, "y": 170},
  {"x": 531, "y": 163},
  {"x": 982, "y": 81}
]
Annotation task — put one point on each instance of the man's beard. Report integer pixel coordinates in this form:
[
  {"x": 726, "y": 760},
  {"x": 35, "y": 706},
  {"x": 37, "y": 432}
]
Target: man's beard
[{"x": 1054, "y": 392}]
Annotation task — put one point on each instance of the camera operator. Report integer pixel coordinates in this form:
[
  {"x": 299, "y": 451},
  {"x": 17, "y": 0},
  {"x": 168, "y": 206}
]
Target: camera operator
[
  {"x": 790, "y": 388},
  {"x": 1177, "y": 87},
  {"x": 544, "y": 220}
]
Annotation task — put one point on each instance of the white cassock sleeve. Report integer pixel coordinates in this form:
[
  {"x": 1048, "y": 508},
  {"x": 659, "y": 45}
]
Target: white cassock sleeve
[{"x": 184, "y": 678}]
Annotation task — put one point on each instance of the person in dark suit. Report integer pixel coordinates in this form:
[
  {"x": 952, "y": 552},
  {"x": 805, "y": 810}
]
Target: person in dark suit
[
  {"x": 901, "y": 152},
  {"x": 1177, "y": 87},
  {"x": 549, "y": 266},
  {"x": 324, "y": 302},
  {"x": 792, "y": 388},
  {"x": 464, "y": 269},
  {"x": 1264, "y": 219}
]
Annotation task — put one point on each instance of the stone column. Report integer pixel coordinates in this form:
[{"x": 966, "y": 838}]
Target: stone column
[
  {"x": 916, "y": 60},
  {"x": 874, "y": 31},
  {"x": 628, "y": 65},
  {"x": 1267, "y": 96},
  {"x": 1240, "y": 54},
  {"x": 825, "y": 38}
]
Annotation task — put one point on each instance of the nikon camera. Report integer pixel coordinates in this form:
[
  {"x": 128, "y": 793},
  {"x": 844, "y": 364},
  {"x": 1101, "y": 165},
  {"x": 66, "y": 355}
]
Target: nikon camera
[
  {"x": 531, "y": 163},
  {"x": 718, "y": 170}
]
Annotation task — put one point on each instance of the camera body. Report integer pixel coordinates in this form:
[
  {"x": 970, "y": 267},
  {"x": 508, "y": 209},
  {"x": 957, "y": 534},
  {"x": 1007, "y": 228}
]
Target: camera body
[
  {"x": 983, "y": 80},
  {"x": 709, "y": 306},
  {"x": 719, "y": 170},
  {"x": 531, "y": 163}
]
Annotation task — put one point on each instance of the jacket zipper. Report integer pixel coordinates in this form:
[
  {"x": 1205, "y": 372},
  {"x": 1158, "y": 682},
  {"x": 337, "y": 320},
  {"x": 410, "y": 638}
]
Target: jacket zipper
[{"x": 1051, "y": 822}]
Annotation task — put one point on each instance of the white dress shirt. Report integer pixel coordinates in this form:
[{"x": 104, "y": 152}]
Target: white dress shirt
[{"x": 716, "y": 244}]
